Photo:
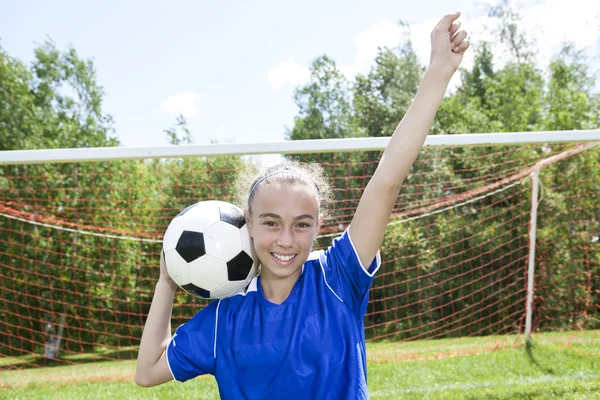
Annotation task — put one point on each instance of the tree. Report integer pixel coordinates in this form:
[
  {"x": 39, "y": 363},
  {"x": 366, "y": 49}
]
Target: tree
[
  {"x": 56, "y": 103},
  {"x": 180, "y": 133},
  {"x": 324, "y": 105},
  {"x": 512, "y": 98},
  {"x": 382, "y": 97},
  {"x": 570, "y": 101}
]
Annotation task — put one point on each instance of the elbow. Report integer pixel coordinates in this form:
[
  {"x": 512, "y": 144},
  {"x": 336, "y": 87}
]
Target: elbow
[{"x": 142, "y": 380}]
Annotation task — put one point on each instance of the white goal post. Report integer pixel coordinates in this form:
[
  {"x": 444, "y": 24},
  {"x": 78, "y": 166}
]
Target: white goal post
[
  {"x": 8, "y": 157},
  {"x": 591, "y": 137}
]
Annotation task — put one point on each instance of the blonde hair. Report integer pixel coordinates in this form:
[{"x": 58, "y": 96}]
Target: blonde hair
[{"x": 253, "y": 178}]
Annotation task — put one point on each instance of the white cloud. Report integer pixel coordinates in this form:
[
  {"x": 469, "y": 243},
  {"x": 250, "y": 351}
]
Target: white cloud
[
  {"x": 288, "y": 71},
  {"x": 382, "y": 34},
  {"x": 549, "y": 23},
  {"x": 182, "y": 103},
  {"x": 349, "y": 71},
  {"x": 557, "y": 21}
]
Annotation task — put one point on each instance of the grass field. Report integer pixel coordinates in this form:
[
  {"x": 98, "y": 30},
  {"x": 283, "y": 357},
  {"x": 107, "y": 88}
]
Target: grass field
[{"x": 557, "y": 366}]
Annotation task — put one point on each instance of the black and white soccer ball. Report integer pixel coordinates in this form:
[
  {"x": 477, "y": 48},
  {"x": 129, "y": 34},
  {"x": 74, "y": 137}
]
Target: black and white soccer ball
[{"x": 208, "y": 251}]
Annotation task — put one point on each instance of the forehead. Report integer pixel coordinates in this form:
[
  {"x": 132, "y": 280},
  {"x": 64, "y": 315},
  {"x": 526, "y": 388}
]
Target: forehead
[{"x": 286, "y": 199}]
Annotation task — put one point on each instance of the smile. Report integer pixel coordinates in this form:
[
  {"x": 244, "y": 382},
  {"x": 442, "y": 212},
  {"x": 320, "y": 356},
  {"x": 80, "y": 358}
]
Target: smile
[{"x": 283, "y": 258}]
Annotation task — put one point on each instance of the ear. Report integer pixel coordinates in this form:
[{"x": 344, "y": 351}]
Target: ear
[{"x": 248, "y": 222}]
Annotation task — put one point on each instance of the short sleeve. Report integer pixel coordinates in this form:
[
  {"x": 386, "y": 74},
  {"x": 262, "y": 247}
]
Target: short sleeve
[
  {"x": 191, "y": 351},
  {"x": 345, "y": 274}
]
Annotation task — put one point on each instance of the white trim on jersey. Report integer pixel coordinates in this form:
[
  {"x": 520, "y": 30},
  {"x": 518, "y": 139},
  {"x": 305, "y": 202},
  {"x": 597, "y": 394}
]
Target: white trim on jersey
[
  {"x": 370, "y": 275},
  {"x": 251, "y": 286},
  {"x": 167, "y": 353},
  {"x": 216, "y": 325},
  {"x": 327, "y": 283},
  {"x": 377, "y": 257}
]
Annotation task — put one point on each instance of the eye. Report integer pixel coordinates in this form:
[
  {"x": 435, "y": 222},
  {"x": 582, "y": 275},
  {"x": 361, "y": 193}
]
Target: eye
[
  {"x": 303, "y": 225},
  {"x": 270, "y": 223}
]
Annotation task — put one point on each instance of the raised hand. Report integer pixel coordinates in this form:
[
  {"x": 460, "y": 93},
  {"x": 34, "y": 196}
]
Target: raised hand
[{"x": 448, "y": 45}]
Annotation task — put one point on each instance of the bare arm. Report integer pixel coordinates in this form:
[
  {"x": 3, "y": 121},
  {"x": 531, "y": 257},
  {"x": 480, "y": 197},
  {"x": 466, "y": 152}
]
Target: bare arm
[
  {"x": 152, "y": 368},
  {"x": 375, "y": 207}
]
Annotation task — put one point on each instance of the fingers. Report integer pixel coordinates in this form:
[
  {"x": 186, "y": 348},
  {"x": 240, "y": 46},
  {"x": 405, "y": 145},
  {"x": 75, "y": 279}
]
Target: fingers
[
  {"x": 449, "y": 28},
  {"x": 458, "y": 39},
  {"x": 461, "y": 48},
  {"x": 447, "y": 21},
  {"x": 454, "y": 28}
]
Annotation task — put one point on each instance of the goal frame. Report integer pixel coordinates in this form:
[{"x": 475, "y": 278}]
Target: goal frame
[{"x": 592, "y": 137}]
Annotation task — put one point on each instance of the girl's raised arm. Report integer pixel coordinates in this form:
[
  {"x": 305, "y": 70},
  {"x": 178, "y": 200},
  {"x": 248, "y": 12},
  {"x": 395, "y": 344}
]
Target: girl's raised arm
[{"x": 448, "y": 45}]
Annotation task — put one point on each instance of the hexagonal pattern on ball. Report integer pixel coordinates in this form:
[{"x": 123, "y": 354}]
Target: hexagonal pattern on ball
[
  {"x": 239, "y": 267},
  {"x": 229, "y": 289},
  {"x": 172, "y": 233},
  {"x": 223, "y": 241},
  {"x": 208, "y": 272},
  {"x": 232, "y": 215},
  {"x": 188, "y": 208},
  {"x": 201, "y": 217},
  {"x": 246, "y": 241},
  {"x": 190, "y": 245},
  {"x": 191, "y": 288},
  {"x": 177, "y": 267}
]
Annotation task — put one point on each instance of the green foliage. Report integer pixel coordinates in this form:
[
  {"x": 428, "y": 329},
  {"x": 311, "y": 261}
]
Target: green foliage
[
  {"x": 101, "y": 284},
  {"x": 56, "y": 103},
  {"x": 324, "y": 105},
  {"x": 180, "y": 133},
  {"x": 438, "y": 268},
  {"x": 382, "y": 97},
  {"x": 521, "y": 96}
]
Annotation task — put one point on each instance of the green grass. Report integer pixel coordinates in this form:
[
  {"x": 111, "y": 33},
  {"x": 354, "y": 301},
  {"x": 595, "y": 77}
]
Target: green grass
[{"x": 557, "y": 366}]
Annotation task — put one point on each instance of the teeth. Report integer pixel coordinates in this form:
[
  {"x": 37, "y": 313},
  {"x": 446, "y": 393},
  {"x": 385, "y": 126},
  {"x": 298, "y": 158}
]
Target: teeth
[{"x": 283, "y": 258}]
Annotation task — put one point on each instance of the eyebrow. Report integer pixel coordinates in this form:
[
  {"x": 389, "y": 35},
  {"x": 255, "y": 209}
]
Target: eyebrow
[{"x": 272, "y": 215}]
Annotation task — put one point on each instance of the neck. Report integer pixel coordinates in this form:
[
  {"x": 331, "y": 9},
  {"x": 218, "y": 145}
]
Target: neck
[{"x": 277, "y": 289}]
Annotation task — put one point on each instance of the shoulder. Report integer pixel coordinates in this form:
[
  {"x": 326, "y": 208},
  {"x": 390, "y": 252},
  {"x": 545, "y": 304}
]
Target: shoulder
[
  {"x": 205, "y": 315},
  {"x": 319, "y": 262},
  {"x": 243, "y": 298},
  {"x": 313, "y": 266},
  {"x": 248, "y": 292}
]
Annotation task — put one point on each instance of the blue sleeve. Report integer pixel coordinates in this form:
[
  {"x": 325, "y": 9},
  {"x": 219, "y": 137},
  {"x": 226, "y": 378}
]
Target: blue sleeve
[
  {"x": 345, "y": 275},
  {"x": 190, "y": 352}
]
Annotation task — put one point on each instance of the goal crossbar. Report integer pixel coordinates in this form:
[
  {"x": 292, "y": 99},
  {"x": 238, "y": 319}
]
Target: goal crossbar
[{"x": 11, "y": 157}]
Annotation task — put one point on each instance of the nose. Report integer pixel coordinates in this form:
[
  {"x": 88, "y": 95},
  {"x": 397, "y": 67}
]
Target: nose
[{"x": 285, "y": 239}]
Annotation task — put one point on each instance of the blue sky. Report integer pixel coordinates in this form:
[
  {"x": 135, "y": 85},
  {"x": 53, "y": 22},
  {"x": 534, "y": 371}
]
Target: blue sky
[{"x": 230, "y": 67}]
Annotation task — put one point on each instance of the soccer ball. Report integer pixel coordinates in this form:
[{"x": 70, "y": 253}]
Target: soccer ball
[{"x": 207, "y": 250}]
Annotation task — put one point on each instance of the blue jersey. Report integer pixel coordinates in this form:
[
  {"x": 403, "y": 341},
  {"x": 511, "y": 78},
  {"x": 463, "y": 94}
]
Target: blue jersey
[{"x": 312, "y": 346}]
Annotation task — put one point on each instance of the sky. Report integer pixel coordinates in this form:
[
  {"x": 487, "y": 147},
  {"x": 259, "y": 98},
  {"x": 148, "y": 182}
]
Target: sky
[{"x": 231, "y": 67}]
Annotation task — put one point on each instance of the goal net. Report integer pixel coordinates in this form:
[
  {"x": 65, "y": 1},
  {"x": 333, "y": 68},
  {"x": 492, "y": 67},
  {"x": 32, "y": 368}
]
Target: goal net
[{"x": 80, "y": 243}]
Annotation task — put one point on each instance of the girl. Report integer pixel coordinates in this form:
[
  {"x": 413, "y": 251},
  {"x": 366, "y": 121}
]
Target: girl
[{"x": 297, "y": 331}]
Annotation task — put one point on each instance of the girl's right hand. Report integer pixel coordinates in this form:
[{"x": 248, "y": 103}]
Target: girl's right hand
[{"x": 164, "y": 276}]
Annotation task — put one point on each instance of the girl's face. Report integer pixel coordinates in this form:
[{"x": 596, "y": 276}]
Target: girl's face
[{"x": 283, "y": 225}]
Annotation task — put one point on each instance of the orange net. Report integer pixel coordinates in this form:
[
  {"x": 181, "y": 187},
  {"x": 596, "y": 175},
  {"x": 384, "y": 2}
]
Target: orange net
[{"x": 80, "y": 243}]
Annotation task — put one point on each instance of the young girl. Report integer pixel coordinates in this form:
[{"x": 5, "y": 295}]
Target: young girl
[{"x": 297, "y": 331}]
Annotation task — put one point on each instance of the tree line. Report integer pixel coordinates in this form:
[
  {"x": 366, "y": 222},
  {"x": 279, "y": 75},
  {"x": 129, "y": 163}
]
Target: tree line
[{"x": 438, "y": 269}]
